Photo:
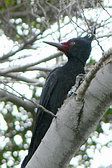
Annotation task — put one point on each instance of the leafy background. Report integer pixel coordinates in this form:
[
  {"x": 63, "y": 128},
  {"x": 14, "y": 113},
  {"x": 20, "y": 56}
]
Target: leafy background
[{"x": 25, "y": 62}]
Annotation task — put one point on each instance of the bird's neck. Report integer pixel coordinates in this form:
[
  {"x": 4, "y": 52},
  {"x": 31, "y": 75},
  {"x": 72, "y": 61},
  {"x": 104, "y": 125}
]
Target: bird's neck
[
  {"x": 76, "y": 61},
  {"x": 74, "y": 65}
]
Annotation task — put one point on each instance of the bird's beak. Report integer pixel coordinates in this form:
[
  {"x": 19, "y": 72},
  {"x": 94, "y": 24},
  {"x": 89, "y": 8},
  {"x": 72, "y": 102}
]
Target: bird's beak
[{"x": 57, "y": 45}]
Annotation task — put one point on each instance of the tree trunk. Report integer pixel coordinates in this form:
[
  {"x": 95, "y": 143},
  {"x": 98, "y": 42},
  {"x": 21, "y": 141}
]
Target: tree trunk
[{"x": 76, "y": 120}]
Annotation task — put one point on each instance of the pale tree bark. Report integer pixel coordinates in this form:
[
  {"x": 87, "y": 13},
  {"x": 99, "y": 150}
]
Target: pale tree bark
[{"x": 77, "y": 118}]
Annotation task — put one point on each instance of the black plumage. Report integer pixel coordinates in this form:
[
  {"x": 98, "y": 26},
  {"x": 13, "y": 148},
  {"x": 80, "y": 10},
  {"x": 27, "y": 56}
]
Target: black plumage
[{"x": 57, "y": 85}]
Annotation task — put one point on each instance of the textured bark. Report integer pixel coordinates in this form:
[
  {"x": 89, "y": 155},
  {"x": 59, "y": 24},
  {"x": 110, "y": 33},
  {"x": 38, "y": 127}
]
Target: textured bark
[{"x": 75, "y": 121}]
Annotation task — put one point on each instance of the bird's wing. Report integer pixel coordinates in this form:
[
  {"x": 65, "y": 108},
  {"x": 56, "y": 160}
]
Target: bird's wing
[
  {"x": 43, "y": 120},
  {"x": 50, "y": 84}
]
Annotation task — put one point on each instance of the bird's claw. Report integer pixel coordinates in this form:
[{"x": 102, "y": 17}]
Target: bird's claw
[{"x": 79, "y": 79}]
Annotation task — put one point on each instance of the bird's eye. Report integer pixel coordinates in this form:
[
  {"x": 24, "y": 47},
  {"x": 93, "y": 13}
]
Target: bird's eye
[
  {"x": 72, "y": 43},
  {"x": 89, "y": 35}
]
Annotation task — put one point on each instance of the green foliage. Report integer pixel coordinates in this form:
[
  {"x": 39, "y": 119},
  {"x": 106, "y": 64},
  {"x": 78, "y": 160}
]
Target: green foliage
[
  {"x": 108, "y": 115},
  {"x": 91, "y": 61},
  {"x": 7, "y": 3},
  {"x": 109, "y": 111},
  {"x": 71, "y": 166}
]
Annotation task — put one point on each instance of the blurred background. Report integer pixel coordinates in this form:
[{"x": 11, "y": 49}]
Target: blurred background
[{"x": 25, "y": 62}]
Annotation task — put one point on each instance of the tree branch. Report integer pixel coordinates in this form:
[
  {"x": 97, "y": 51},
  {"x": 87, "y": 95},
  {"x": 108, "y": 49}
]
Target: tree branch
[
  {"x": 35, "y": 68},
  {"x": 26, "y": 104},
  {"x": 22, "y": 46},
  {"x": 18, "y": 77},
  {"x": 75, "y": 121},
  {"x": 24, "y": 67},
  {"x": 19, "y": 100},
  {"x": 82, "y": 89}
]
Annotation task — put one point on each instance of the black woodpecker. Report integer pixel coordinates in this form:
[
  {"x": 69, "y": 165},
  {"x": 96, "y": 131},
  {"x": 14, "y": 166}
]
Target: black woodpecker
[{"x": 57, "y": 85}]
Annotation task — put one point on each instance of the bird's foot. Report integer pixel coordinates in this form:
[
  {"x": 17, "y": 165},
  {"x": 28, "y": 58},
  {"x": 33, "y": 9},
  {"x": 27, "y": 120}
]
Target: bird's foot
[{"x": 79, "y": 79}]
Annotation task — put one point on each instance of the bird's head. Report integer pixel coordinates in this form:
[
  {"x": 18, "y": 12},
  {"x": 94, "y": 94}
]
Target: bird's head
[{"x": 76, "y": 48}]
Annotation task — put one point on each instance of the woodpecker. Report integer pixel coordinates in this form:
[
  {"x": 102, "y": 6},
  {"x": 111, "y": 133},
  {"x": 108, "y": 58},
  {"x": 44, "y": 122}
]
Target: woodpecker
[{"x": 57, "y": 85}]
